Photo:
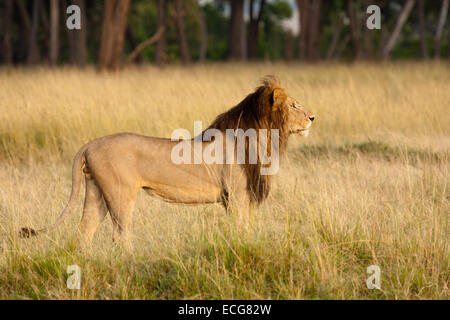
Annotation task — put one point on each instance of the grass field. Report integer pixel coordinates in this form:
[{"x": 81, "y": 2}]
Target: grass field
[{"x": 369, "y": 186}]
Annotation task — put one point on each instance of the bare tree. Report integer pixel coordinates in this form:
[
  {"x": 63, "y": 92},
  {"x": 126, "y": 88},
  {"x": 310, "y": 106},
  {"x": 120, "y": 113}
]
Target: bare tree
[
  {"x": 145, "y": 44},
  {"x": 25, "y": 30},
  {"x": 398, "y": 27},
  {"x": 253, "y": 28},
  {"x": 7, "y": 48},
  {"x": 336, "y": 35},
  {"x": 113, "y": 33},
  {"x": 303, "y": 6},
  {"x": 448, "y": 47},
  {"x": 369, "y": 40},
  {"x": 204, "y": 34},
  {"x": 342, "y": 46},
  {"x": 440, "y": 28},
  {"x": 354, "y": 29},
  {"x": 423, "y": 39},
  {"x": 236, "y": 45},
  {"x": 132, "y": 42},
  {"x": 34, "y": 55},
  {"x": 161, "y": 44},
  {"x": 46, "y": 26},
  {"x": 54, "y": 32},
  {"x": 384, "y": 38},
  {"x": 119, "y": 32},
  {"x": 79, "y": 38},
  {"x": 106, "y": 41},
  {"x": 314, "y": 31},
  {"x": 182, "y": 39},
  {"x": 309, "y": 40},
  {"x": 289, "y": 48}
]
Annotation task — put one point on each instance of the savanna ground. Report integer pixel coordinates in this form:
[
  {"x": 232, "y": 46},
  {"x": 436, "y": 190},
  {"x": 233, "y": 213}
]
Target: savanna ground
[{"x": 369, "y": 186}]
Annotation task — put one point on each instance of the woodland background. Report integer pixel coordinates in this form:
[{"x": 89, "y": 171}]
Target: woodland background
[
  {"x": 119, "y": 32},
  {"x": 369, "y": 186}
]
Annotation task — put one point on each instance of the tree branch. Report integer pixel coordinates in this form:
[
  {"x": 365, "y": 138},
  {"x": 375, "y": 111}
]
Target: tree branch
[{"x": 145, "y": 44}]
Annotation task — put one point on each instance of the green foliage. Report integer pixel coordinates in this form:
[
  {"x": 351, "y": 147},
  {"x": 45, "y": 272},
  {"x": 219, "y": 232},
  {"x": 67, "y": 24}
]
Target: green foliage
[
  {"x": 142, "y": 23},
  {"x": 279, "y": 9},
  {"x": 272, "y": 36},
  {"x": 218, "y": 26}
]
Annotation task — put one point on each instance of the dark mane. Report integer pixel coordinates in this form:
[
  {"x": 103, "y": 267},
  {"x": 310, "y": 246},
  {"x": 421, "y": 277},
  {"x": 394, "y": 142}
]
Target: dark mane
[{"x": 257, "y": 111}]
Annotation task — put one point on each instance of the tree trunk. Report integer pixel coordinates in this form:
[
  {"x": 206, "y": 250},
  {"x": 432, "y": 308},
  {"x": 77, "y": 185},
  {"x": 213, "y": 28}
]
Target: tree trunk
[
  {"x": 309, "y": 40},
  {"x": 303, "y": 6},
  {"x": 33, "y": 50},
  {"x": 253, "y": 29},
  {"x": 179, "y": 21},
  {"x": 7, "y": 48},
  {"x": 342, "y": 46},
  {"x": 314, "y": 32},
  {"x": 131, "y": 39},
  {"x": 78, "y": 54},
  {"x": 54, "y": 32},
  {"x": 423, "y": 39},
  {"x": 25, "y": 31},
  {"x": 440, "y": 28},
  {"x": 384, "y": 37},
  {"x": 106, "y": 41},
  {"x": 448, "y": 46},
  {"x": 77, "y": 38},
  {"x": 161, "y": 44},
  {"x": 113, "y": 34},
  {"x": 236, "y": 45},
  {"x": 336, "y": 36},
  {"x": 398, "y": 27},
  {"x": 120, "y": 22},
  {"x": 204, "y": 35},
  {"x": 369, "y": 48},
  {"x": 354, "y": 29},
  {"x": 368, "y": 44},
  {"x": 136, "y": 52},
  {"x": 289, "y": 49},
  {"x": 46, "y": 26}
]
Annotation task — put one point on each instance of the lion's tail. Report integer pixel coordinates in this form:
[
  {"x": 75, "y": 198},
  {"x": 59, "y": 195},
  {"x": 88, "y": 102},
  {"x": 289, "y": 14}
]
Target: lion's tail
[{"x": 77, "y": 167}]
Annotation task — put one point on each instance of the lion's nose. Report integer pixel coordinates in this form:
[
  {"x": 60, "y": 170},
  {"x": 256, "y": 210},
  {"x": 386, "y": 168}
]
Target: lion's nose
[{"x": 311, "y": 118}]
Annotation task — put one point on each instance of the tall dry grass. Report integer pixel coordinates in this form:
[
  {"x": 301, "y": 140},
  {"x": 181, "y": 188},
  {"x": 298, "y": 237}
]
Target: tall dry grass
[{"x": 368, "y": 187}]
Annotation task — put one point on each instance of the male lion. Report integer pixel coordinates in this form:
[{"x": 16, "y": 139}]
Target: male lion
[{"x": 117, "y": 166}]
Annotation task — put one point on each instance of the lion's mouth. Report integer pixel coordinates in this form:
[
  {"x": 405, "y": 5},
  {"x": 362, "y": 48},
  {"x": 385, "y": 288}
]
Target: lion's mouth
[{"x": 302, "y": 132}]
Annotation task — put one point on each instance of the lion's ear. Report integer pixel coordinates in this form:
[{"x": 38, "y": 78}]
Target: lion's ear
[{"x": 277, "y": 97}]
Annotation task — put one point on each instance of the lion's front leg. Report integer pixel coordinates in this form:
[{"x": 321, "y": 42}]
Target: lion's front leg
[{"x": 240, "y": 208}]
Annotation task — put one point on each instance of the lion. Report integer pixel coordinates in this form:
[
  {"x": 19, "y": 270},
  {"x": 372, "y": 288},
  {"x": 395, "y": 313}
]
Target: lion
[{"x": 117, "y": 166}]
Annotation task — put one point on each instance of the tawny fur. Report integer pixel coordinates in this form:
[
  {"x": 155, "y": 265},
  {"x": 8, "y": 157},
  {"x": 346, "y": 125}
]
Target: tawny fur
[{"x": 117, "y": 166}]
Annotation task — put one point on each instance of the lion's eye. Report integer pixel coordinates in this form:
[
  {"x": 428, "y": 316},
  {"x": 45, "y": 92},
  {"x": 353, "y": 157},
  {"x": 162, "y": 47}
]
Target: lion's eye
[{"x": 294, "y": 106}]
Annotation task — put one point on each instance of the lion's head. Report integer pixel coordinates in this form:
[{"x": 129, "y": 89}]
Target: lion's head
[
  {"x": 269, "y": 107},
  {"x": 298, "y": 119}
]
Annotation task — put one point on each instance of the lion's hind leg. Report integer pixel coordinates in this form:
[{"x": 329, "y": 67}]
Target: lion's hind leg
[
  {"x": 94, "y": 211},
  {"x": 120, "y": 201}
]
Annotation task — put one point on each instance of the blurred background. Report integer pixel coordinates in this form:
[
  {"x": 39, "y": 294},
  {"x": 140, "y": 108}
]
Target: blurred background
[
  {"x": 369, "y": 186},
  {"x": 117, "y": 33}
]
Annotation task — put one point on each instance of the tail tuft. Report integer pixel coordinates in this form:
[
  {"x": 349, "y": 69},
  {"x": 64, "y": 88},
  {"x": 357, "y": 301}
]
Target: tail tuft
[{"x": 27, "y": 233}]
